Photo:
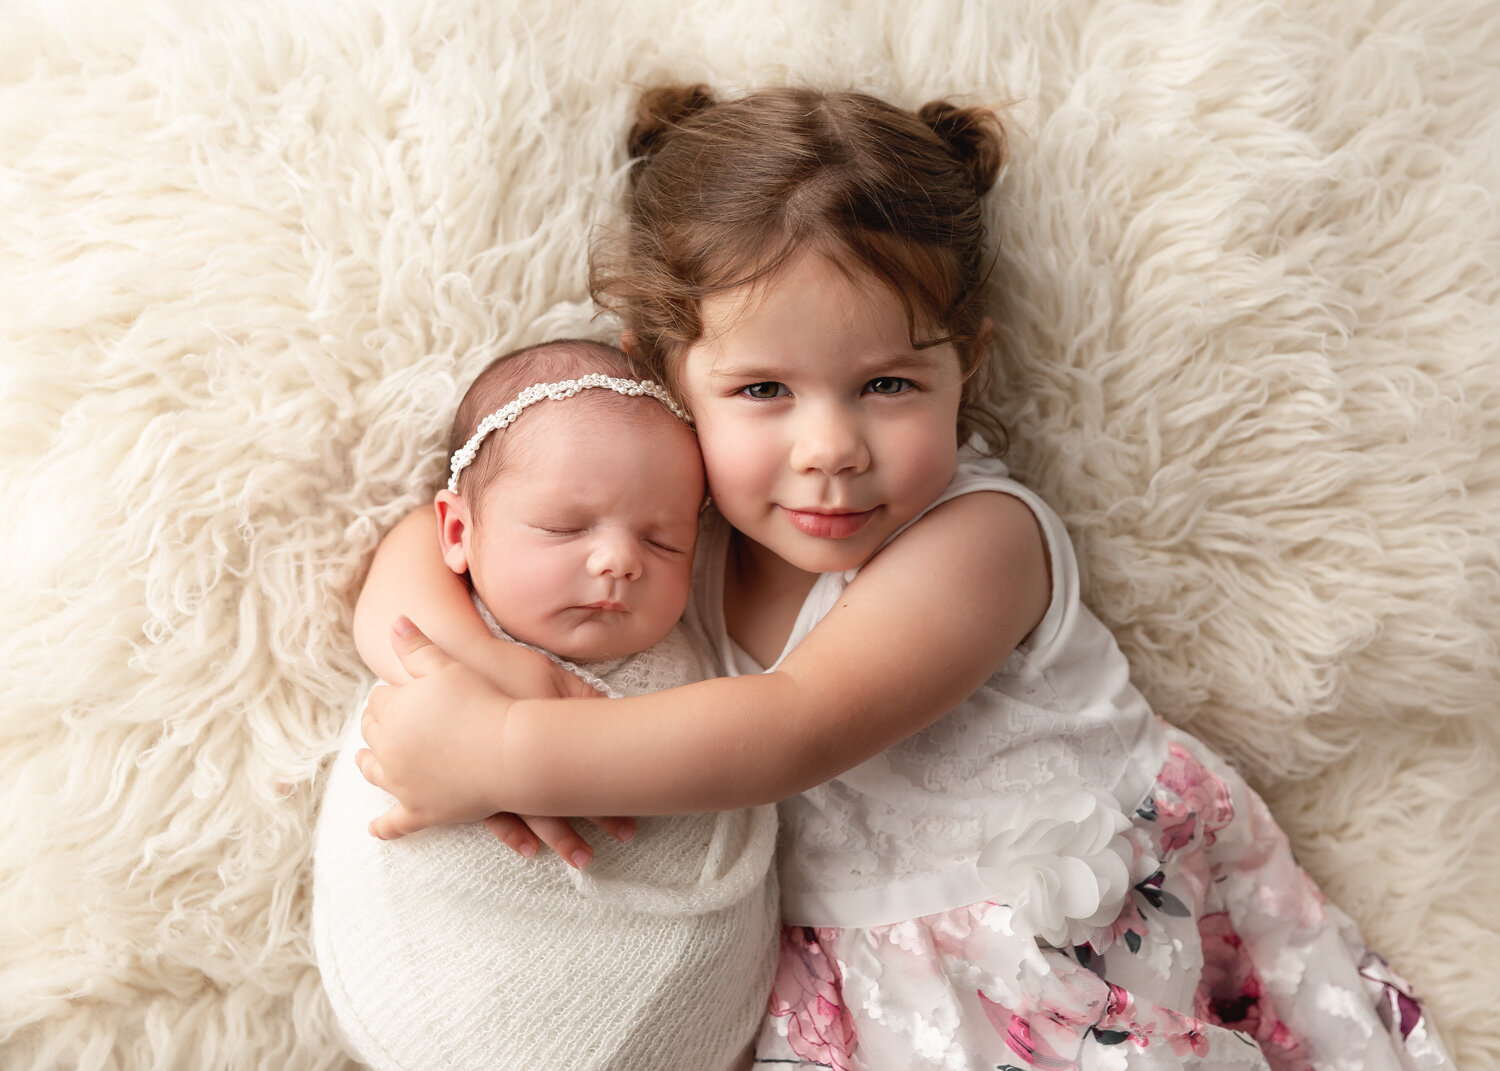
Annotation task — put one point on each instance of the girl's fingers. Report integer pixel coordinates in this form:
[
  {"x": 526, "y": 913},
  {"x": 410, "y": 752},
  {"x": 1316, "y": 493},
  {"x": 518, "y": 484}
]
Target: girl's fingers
[
  {"x": 369, "y": 767},
  {"x": 559, "y": 835},
  {"x": 418, "y": 655},
  {"x": 396, "y": 822},
  {"x": 512, "y": 832},
  {"x": 524, "y": 835},
  {"x": 621, "y": 829}
]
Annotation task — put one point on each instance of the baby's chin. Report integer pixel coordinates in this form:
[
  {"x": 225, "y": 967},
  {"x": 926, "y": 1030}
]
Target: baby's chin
[{"x": 599, "y": 643}]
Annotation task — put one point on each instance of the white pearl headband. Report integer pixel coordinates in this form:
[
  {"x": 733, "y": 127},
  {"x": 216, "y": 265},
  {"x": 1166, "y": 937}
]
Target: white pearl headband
[{"x": 506, "y": 415}]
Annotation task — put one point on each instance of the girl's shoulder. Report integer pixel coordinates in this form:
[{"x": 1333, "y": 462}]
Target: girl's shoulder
[{"x": 979, "y": 472}]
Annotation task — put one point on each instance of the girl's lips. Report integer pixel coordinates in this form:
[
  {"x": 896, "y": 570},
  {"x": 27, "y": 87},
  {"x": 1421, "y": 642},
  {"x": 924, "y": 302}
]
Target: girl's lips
[{"x": 828, "y": 525}]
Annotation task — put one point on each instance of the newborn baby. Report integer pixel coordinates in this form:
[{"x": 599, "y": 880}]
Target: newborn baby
[{"x": 573, "y": 508}]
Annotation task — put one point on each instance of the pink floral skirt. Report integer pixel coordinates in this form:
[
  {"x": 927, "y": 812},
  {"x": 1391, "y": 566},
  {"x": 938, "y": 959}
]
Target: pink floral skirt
[{"x": 1225, "y": 956}]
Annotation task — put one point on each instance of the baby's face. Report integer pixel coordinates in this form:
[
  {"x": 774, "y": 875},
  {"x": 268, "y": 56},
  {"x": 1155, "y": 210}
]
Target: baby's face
[{"x": 584, "y": 544}]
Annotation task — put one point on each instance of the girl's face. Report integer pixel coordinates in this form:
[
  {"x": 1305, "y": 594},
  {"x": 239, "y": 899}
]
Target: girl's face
[
  {"x": 823, "y": 431},
  {"x": 584, "y": 542}
]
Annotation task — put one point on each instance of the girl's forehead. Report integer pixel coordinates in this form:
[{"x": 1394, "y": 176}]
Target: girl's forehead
[
  {"x": 811, "y": 311},
  {"x": 809, "y": 292}
]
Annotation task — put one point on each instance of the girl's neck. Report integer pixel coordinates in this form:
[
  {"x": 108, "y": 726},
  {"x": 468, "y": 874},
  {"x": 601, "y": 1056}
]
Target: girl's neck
[{"x": 763, "y": 594}]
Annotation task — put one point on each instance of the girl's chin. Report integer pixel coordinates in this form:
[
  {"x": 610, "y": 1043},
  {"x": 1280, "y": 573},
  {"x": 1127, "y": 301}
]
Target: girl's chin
[{"x": 814, "y": 555}]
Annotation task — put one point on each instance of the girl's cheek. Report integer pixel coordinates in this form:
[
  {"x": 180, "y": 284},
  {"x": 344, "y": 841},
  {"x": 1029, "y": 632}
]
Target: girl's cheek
[
  {"x": 726, "y": 452},
  {"x": 711, "y": 434}
]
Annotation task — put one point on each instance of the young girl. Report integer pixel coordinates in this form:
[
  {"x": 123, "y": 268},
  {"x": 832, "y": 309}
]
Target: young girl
[
  {"x": 993, "y": 854},
  {"x": 573, "y": 508}
]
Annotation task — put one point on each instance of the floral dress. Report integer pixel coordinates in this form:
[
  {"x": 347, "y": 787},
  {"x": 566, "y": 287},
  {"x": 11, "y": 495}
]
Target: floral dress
[
  {"x": 1223, "y": 955},
  {"x": 1050, "y": 877}
]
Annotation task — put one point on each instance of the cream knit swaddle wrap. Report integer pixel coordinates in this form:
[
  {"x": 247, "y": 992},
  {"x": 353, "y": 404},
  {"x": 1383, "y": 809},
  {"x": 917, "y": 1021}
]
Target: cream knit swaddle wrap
[{"x": 446, "y": 950}]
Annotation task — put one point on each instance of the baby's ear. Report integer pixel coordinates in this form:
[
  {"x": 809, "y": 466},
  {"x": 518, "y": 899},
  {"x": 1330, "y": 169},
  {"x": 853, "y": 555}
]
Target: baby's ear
[{"x": 454, "y": 528}]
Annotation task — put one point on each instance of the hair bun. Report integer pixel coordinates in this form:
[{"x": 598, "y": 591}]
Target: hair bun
[
  {"x": 661, "y": 110},
  {"x": 975, "y": 137}
]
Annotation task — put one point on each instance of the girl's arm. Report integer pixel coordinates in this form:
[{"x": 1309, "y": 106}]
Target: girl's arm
[
  {"x": 925, "y": 623},
  {"x": 408, "y": 578}
]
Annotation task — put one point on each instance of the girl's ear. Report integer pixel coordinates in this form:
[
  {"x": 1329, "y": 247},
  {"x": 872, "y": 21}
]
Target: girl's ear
[
  {"x": 454, "y": 529},
  {"x": 627, "y": 343},
  {"x": 986, "y": 332}
]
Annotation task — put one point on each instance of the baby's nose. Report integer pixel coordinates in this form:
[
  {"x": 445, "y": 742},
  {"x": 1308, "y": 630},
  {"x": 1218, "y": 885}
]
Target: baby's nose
[{"x": 616, "y": 555}]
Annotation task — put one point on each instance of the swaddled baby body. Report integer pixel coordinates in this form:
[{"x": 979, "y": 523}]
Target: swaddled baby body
[{"x": 446, "y": 949}]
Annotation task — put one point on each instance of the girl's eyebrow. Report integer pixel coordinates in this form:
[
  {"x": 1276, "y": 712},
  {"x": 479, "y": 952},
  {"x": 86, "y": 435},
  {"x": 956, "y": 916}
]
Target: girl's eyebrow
[
  {"x": 908, "y": 361},
  {"x": 746, "y": 372},
  {"x": 887, "y": 364}
]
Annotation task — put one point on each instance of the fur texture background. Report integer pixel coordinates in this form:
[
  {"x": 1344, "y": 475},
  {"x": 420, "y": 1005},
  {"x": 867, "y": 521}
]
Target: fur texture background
[{"x": 250, "y": 253}]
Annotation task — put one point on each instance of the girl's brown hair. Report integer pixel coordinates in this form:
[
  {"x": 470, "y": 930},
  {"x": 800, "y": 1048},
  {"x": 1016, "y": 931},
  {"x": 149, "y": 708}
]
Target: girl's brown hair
[{"x": 722, "y": 193}]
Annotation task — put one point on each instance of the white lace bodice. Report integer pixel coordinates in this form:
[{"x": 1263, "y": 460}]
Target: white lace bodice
[{"x": 900, "y": 836}]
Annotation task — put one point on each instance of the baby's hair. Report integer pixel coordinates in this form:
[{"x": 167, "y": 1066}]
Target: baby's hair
[
  {"x": 507, "y": 376},
  {"x": 722, "y": 193}
]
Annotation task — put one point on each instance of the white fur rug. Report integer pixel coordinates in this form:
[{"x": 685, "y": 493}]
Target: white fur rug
[{"x": 249, "y": 252}]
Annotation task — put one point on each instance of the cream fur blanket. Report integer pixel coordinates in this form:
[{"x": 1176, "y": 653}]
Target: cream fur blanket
[{"x": 249, "y": 252}]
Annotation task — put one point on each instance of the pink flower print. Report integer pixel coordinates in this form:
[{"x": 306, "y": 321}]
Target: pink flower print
[
  {"x": 1183, "y": 1033},
  {"x": 1177, "y": 824},
  {"x": 965, "y": 935},
  {"x": 1044, "y": 1035},
  {"x": 1397, "y": 1005},
  {"x": 1232, "y": 994},
  {"x": 1174, "y": 820},
  {"x": 808, "y": 989},
  {"x": 1202, "y": 794},
  {"x": 1231, "y": 991},
  {"x": 1119, "y": 1009},
  {"x": 1032, "y": 1045},
  {"x": 1129, "y": 927},
  {"x": 1283, "y": 1050}
]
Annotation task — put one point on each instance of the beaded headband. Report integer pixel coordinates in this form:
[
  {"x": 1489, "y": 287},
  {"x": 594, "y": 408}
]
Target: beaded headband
[{"x": 506, "y": 415}]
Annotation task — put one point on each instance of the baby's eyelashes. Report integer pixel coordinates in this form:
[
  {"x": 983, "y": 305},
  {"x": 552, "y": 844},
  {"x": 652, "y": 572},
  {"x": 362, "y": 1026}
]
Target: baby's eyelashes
[{"x": 665, "y": 545}]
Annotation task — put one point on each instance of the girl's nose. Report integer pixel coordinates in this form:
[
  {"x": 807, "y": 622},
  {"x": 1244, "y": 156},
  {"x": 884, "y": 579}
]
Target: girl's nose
[
  {"x": 616, "y": 555},
  {"x": 830, "y": 441}
]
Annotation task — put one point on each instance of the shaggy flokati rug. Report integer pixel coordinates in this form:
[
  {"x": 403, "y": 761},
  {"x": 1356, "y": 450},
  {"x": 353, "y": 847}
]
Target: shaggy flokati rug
[{"x": 250, "y": 253}]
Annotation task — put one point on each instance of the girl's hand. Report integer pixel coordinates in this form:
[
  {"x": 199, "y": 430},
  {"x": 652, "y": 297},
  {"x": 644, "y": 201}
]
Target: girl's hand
[
  {"x": 523, "y": 832},
  {"x": 434, "y": 743}
]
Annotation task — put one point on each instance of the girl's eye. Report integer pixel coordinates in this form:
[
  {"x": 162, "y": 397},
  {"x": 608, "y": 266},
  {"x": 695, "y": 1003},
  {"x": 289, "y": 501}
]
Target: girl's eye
[
  {"x": 888, "y": 385},
  {"x": 665, "y": 548},
  {"x": 559, "y": 531},
  {"x": 764, "y": 391}
]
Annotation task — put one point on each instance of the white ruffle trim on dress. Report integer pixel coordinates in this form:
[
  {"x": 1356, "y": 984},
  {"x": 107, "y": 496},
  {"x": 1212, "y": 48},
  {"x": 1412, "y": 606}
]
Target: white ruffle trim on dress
[{"x": 1058, "y": 857}]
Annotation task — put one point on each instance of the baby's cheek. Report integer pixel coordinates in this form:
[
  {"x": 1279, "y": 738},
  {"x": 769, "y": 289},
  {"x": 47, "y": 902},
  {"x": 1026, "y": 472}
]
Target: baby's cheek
[
  {"x": 534, "y": 593},
  {"x": 682, "y": 586}
]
